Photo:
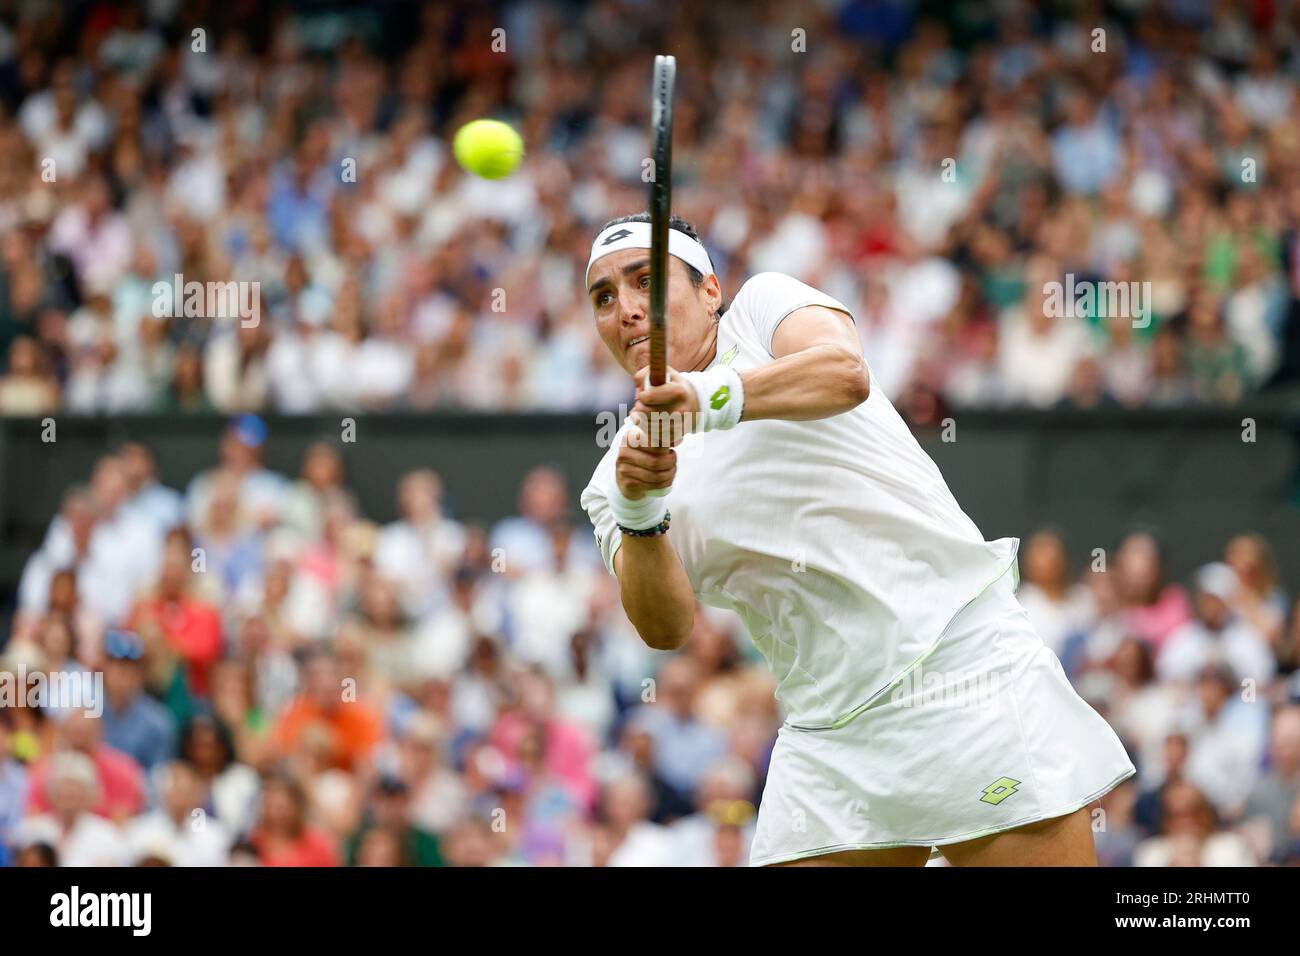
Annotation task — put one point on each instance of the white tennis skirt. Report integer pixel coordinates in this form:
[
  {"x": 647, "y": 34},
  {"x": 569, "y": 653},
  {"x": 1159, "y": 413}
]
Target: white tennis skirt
[{"x": 984, "y": 734}]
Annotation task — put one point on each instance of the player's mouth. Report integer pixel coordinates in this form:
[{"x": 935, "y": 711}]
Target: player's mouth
[{"x": 637, "y": 341}]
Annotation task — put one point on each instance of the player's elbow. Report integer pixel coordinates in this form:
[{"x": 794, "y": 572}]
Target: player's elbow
[
  {"x": 854, "y": 377},
  {"x": 661, "y": 638},
  {"x": 668, "y": 632}
]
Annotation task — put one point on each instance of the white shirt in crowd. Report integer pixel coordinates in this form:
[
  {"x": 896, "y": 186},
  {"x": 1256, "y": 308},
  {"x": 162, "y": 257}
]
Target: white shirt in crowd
[
  {"x": 837, "y": 541},
  {"x": 1036, "y": 367},
  {"x": 416, "y": 558},
  {"x": 92, "y": 840},
  {"x": 203, "y": 841},
  {"x": 1057, "y": 621},
  {"x": 1193, "y": 646}
]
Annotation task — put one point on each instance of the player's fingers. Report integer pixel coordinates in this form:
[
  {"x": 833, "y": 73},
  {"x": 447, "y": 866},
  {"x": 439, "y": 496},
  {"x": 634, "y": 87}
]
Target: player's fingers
[
  {"x": 629, "y": 474},
  {"x": 671, "y": 391},
  {"x": 663, "y": 428},
  {"x": 653, "y": 459}
]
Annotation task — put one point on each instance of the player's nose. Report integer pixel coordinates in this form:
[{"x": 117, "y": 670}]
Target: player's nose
[{"x": 631, "y": 306}]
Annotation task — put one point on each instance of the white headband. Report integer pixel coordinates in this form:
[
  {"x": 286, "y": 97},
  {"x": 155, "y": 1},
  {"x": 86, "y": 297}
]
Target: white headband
[{"x": 636, "y": 235}]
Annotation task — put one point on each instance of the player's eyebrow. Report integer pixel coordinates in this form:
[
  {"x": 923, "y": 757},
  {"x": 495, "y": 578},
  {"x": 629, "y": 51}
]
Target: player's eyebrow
[{"x": 628, "y": 269}]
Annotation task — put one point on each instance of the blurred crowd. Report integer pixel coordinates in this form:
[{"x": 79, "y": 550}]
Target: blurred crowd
[
  {"x": 287, "y": 682},
  {"x": 933, "y": 168}
]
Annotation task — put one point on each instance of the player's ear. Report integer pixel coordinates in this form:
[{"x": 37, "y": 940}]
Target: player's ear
[{"x": 713, "y": 294}]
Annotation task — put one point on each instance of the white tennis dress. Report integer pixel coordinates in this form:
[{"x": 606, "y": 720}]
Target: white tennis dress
[{"x": 922, "y": 708}]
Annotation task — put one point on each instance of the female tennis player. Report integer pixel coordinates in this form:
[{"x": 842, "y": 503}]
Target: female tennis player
[{"x": 798, "y": 498}]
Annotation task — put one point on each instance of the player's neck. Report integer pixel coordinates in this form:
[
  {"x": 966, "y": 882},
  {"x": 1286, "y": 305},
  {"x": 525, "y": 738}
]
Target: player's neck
[{"x": 709, "y": 352}]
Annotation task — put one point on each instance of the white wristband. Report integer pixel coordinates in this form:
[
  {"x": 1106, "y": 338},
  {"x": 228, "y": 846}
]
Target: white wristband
[
  {"x": 721, "y": 397},
  {"x": 645, "y": 512}
]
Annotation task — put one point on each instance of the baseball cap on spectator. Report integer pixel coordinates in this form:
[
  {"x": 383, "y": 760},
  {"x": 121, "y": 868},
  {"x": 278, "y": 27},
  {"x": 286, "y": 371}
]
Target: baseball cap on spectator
[
  {"x": 123, "y": 645},
  {"x": 250, "y": 430},
  {"x": 1218, "y": 579}
]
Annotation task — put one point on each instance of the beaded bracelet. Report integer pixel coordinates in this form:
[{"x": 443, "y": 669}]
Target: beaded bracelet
[{"x": 654, "y": 532}]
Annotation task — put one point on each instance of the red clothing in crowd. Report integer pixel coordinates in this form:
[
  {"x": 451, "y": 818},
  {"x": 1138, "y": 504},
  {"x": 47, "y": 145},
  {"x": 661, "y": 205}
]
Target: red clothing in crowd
[
  {"x": 312, "y": 848},
  {"x": 121, "y": 785},
  {"x": 191, "y": 627},
  {"x": 1155, "y": 622}
]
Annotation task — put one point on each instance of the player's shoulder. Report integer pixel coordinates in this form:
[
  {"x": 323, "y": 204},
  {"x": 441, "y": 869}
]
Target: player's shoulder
[
  {"x": 763, "y": 283},
  {"x": 777, "y": 294}
]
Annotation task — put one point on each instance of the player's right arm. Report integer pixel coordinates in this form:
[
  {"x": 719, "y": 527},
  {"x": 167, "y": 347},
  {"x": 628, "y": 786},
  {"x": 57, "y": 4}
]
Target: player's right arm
[{"x": 656, "y": 593}]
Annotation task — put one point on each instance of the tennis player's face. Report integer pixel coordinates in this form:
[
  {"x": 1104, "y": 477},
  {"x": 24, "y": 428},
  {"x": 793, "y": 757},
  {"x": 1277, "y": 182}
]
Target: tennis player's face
[{"x": 619, "y": 291}]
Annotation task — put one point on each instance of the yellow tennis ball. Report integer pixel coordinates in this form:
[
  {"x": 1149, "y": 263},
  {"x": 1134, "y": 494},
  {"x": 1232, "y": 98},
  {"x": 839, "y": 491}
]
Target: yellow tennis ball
[{"x": 489, "y": 148}]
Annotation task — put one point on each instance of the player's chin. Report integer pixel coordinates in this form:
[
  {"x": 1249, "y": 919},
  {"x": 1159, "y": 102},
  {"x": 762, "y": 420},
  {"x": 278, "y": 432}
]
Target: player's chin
[{"x": 637, "y": 357}]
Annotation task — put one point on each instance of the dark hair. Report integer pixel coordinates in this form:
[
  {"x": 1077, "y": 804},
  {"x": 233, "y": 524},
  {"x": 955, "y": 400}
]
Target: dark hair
[
  {"x": 47, "y": 855},
  {"x": 682, "y": 226},
  {"x": 225, "y": 740}
]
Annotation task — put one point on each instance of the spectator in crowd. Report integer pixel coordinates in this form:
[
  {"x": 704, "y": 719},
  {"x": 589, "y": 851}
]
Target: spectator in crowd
[
  {"x": 259, "y": 490},
  {"x": 421, "y": 547},
  {"x": 1216, "y": 635},
  {"x": 684, "y": 746},
  {"x": 1228, "y": 733},
  {"x": 134, "y": 722},
  {"x": 228, "y": 788},
  {"x": 525, "y": 542},
  {"x": 1152, "y": 608},
  {"x": 1188, "y": 836},
  {"x": 79, "y": 835},
  {"x": 1275, "y": 795},
  {"x": 147, "y": 495},
  {"x": 322, "y": 478},
  {"x": 13, "y": 787},
  {"x": 282, "y": 835},
  {"x": 1058, "y": 606},
  {"x": 630, "y": 838},
  {"x": 27, "y": 388},
  {"x": 1259, "y": 600},
  {"x": 327, "y": 711},
  {"x": 189, "y": 626},
  {"x": 179, "y": 830},
  {"x": 119, "y": 785}
]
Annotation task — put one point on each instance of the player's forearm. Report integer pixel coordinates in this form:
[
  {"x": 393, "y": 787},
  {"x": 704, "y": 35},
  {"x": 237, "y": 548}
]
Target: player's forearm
[
  {"x": 813, "y": 383},
  {"x": 656, "y": 593}
]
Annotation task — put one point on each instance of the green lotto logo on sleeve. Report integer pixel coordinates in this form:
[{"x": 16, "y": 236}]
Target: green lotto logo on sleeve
[
  {"x": 731, "y": 354},
  {"x": 999, "y": 790},
  {"x": 720, "y": 397}
]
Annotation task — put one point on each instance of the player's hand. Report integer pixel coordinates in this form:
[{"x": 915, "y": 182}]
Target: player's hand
[
  {"x": 671, "y": 410},
  {"x": 641, "y": 467}
]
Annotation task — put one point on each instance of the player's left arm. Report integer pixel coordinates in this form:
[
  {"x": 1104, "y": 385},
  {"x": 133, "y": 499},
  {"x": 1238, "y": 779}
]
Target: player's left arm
[{"x": 818, "y": 371}]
